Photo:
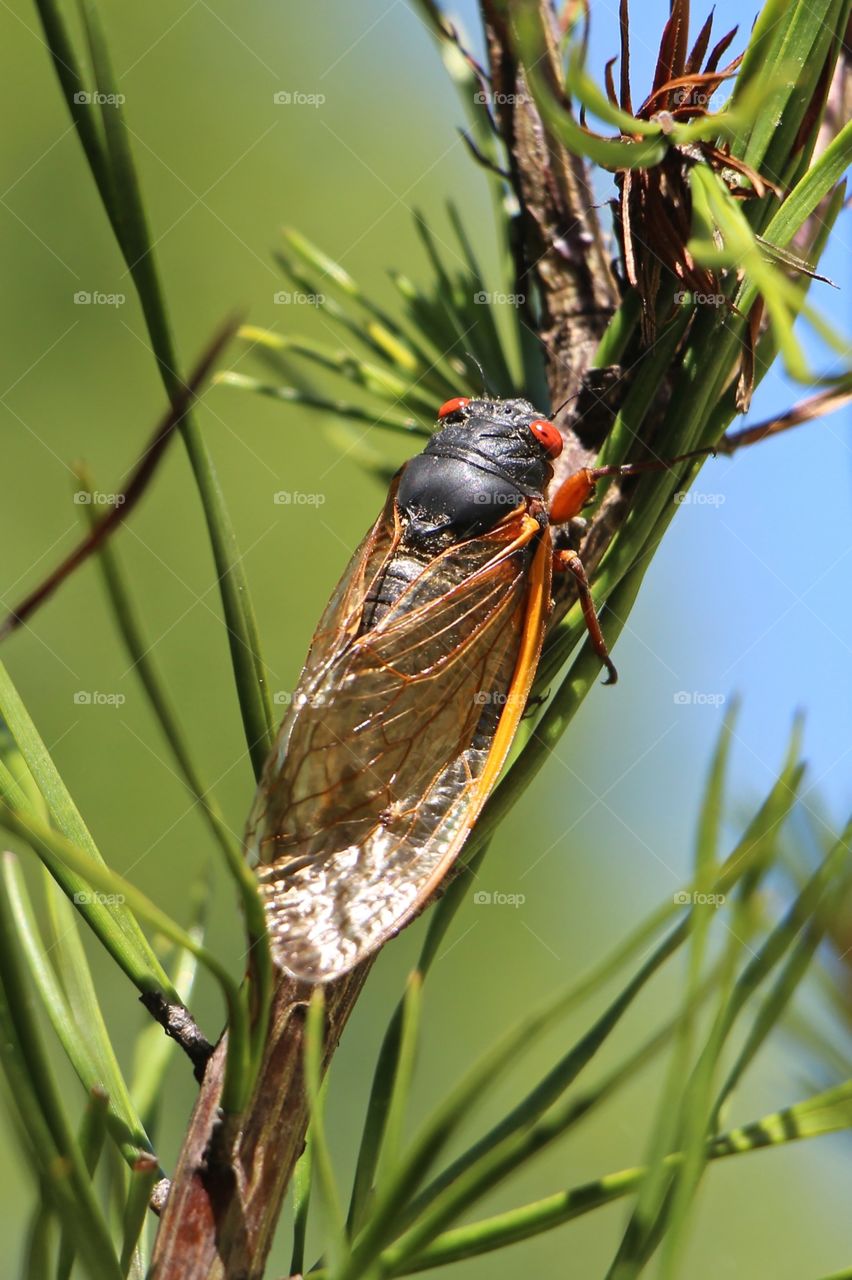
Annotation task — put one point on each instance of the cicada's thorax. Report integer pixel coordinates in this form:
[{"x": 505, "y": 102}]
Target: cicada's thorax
[{"x": 472, "y": 474}]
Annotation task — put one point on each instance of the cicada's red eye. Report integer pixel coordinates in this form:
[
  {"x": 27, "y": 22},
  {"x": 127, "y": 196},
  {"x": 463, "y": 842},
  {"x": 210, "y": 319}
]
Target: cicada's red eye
[
  {"x": 548, "y": 437},
  {"x": 453, "y": 406}
]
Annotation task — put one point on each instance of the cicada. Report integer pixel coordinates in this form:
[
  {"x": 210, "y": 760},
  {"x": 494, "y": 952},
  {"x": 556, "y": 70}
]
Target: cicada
[{"x": 414, "y": 686}]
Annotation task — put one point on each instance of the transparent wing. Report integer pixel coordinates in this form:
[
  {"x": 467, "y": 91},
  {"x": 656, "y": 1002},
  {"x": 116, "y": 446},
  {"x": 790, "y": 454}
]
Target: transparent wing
[{"x": 405, "y": 710}]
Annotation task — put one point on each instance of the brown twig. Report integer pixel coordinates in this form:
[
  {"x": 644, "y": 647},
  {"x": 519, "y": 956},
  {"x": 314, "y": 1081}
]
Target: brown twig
[
  {"x": 179, "y": 1024},
  {"x": 225, "y": 1198},
  {"x": 135, "y": 487}
]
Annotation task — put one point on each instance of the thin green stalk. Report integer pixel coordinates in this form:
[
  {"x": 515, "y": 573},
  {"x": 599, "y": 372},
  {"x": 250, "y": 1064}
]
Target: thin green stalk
[
  {"x": 84, "y": 1043},
  {"x": 53, "y": 1147},
  {"x": 823, "y": 1113},
  {"x": 388, "y": 1061},
  {"x": 113, "y": 924},
  {"x": 93, "y": 1131},
  {"x": 138, "y": 650},
  {"x": 56, "y": 850},
  {"x": 338, "y": 1246},
  {"x": 110, "y": 159}
]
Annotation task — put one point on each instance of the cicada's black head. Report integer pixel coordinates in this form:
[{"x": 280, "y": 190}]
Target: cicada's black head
[{"x": 488, "y": 457}]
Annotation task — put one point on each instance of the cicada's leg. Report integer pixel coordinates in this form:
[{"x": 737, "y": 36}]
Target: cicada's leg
[
  {"x": 570, "y": 561},
  {"x": 578, "y": 488},
  {"x": 567, "y": 503}
]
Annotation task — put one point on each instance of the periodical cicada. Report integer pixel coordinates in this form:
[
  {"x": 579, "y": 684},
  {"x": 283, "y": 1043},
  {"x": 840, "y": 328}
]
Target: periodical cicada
[{"x": 415, "y": 684}]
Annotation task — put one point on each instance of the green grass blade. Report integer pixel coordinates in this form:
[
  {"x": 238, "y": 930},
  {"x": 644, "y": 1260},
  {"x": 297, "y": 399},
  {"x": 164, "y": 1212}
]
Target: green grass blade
[
  {"x": 377, "y": 381},
  {"x": 93, "y": 1131},
  {"x": 383, "y": 328},
  {"x": 127, "y": 620},
  {"x": 115, "y": 174},
  {"x": 387, "y": 418},
  {"x": 828, "y": 1112},
  {"x": 387, "y": 1062},
  {"x": 374, "y": 336},
  {"x": 390, "y": 1152},
  {"x": 389, "y": 1208},
  {"x": 38, "y": 1249},
  {"x": 813, "y": 187},
  {"x": 789, "y": 56},
  {"x": 463, "y": 1188},
  {"x": 326, "y": 1182},
  {"x": 809, "y": 917},
  {"x": 699, "y": 1117},
  {"x": 52, "y": 1145},
  {"x": 114, "y": 925},
  {"x": 664, "y": 1133},
  {"x": 752, "y": 851},
  {"x": 68, "y": 1002},
  {"x": 302, "y": 1184},
  {"x": 56, "y": 850},
  {"x": 139, "y": 652},
  {"x": 142, "y": 1181}
]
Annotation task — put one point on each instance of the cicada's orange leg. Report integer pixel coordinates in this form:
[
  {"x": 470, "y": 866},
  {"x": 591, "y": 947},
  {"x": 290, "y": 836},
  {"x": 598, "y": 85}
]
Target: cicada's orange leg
[
  {"x": 578, "y": 488},
  {"x": 568, "y": 501},
  {"x": 571, "y": 561}
]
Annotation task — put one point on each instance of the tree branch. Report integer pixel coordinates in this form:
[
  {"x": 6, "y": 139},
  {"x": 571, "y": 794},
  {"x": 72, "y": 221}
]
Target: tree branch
[{"x": 225, "y": 1199}]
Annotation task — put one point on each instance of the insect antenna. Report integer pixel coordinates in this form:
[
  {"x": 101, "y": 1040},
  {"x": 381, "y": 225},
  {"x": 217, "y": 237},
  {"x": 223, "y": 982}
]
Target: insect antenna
[
  {"x": 486, "y": 391},
  {"x": 556, "y": 412}
]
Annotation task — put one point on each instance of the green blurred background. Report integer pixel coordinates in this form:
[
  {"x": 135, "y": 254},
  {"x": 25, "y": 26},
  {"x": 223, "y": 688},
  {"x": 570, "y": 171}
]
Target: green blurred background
[{"x": 750, "y": 592}]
